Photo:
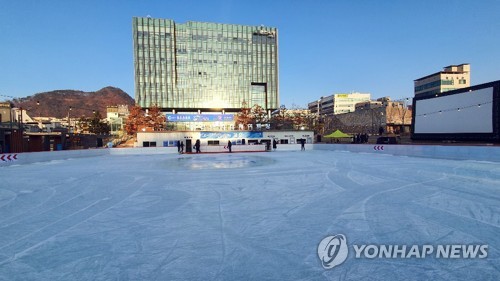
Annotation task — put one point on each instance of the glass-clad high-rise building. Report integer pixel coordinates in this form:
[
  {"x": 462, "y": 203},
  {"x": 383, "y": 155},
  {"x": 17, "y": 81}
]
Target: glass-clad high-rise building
[{"x": 198, "y": 66}]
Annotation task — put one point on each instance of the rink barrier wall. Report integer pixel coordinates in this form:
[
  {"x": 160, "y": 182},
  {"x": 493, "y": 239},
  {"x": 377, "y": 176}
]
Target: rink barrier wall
[
  {"x": 478, "y": 153},
  {"x": 142, "y": 150},
  {"x": 293, "y": 147},
  {"x": 45, "y": 156},
  {"x": 172, "y": 149}
]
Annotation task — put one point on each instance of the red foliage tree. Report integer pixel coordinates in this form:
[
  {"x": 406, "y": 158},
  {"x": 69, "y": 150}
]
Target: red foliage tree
[
  {"x": 155, "y": 118},
  {"x": 135, "y": 119},
  {"x": 244, "y": 117}
]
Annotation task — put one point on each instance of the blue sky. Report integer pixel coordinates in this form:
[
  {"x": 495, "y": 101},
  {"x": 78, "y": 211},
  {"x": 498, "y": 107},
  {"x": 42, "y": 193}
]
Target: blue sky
[{"x": 325, "y": 47}]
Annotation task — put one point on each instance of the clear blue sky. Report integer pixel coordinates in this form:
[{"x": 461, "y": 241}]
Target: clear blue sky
[{"x": 325, "y": 47}]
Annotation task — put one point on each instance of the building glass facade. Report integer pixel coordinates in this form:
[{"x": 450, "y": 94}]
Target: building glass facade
[{"x": 204, "y": 66}]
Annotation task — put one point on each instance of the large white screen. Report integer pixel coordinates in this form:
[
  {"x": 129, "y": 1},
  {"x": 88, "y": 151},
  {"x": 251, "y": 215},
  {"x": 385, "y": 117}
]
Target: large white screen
[{"x": 475, "y": 114}]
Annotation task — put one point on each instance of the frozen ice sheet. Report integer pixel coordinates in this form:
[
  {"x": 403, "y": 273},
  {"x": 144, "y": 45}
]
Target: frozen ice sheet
[{"x": 243, "y": 216}]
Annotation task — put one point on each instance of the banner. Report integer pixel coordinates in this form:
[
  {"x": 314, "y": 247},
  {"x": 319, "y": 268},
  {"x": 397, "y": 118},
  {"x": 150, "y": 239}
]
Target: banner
[
  {"x": 231, "y": 135},
  {"x": 199, "y": 117}
]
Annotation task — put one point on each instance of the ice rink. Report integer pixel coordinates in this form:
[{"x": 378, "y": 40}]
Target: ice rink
[{"x": 244, "y": 216}]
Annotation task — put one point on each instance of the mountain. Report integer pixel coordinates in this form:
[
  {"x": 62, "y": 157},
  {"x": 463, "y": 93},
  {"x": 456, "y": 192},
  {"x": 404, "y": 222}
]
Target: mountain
[{"x": 57, "y": 103}]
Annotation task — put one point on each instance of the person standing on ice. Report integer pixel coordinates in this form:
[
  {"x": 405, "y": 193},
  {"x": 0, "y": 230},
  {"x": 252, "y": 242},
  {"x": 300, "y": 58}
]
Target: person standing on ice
[
  {"x": 229, "y": 144},
  {"x": 302, "y": 144},
  {"x": 197, "y": 146},
  {"x": 275, "y": 144},
  {"x": 182, "y": 147},
  {"x": 179, "y": 146}
]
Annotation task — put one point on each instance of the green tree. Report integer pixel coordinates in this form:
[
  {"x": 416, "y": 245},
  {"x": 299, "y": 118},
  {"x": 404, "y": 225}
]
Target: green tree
[
  {"x": 83, "y": 124},
  {"x": 97, "y": 125},
  {"x": 94, "y": 124},
  {"x": 282, "y": 120}
]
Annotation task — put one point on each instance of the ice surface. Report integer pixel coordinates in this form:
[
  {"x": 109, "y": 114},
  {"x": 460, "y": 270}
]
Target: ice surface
[{"x": 243, "y": 216}]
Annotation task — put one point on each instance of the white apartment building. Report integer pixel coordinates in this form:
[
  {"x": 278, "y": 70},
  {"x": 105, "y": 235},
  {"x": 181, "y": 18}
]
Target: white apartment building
[{"x": 338, "y": 103}]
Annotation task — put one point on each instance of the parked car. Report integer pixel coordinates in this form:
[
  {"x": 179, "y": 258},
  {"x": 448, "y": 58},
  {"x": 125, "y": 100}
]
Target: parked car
[{"x": 387, "y": 140}]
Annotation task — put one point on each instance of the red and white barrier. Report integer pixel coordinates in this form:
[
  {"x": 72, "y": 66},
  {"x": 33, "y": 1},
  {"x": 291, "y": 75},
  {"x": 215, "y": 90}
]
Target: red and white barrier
[{"x": 8, "y": 157}]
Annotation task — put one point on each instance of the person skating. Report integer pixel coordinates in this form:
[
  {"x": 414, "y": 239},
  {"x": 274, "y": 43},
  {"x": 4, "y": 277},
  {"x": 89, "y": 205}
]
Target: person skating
[
  {"x": 197, "y": 146},
  {"x": 229, "y": 144}
]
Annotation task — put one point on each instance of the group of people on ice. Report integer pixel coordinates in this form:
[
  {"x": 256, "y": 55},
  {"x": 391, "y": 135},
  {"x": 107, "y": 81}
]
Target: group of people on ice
[
  {"x": 360, "y": 138},
  {"x": 197, "y": 146}
]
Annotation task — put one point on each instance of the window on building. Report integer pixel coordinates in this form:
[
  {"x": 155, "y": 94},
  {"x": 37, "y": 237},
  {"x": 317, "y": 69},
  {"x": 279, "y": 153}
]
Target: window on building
[
  {"x": 149, "y": 144},
  {"x": 259, "y": 94}
]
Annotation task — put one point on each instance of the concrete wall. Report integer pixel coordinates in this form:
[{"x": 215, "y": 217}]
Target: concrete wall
[{"x": 479, "y": 153}]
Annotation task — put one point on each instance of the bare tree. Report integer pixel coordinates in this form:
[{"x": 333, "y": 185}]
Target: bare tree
[
  {"x": 258, "y": 114},
  {"x": 282, "y": 120}
]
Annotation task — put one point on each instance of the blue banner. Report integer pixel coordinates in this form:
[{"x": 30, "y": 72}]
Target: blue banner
[
  {"x": 231, "y": 135},
  {"x": 199, "y": 117}
]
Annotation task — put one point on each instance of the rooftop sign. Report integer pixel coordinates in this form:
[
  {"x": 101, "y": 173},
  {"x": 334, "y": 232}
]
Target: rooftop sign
[{"x": 199, "y": 117}]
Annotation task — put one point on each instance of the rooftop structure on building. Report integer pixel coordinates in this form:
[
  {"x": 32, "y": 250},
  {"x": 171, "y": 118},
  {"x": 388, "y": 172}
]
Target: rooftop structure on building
[
  {"x": 338, "y": 103},
  {"x": 199, "y": 67},
  {"x": 451, "y": 78}
]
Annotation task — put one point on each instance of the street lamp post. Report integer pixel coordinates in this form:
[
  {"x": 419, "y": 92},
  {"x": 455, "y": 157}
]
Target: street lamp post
[
  {"x": 40, "y": 125},
  {"x": 11, "y": 130},
  {"x": 21, "y": 130},
  {"x": 371, "y": 113},
  {"x": 69, "y": 119},
  {"x": 21, "y": 119}
]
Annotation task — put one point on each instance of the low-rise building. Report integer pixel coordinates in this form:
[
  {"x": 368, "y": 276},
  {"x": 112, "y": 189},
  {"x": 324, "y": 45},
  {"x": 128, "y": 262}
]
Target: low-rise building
[
  {"x": 338, "y": 103},
  {"x": 451, "y": 78},
  {"x": 214, "y": 141},
  {"x": 116, "y": 117}
]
